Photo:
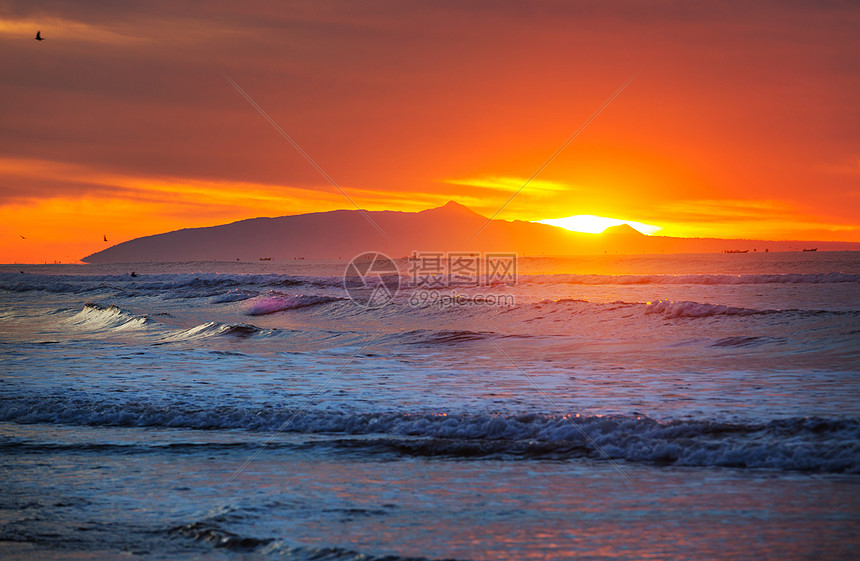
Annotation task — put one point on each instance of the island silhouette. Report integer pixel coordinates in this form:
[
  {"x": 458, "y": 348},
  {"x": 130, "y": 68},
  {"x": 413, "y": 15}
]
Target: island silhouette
[{"x": 342, "y": 234}]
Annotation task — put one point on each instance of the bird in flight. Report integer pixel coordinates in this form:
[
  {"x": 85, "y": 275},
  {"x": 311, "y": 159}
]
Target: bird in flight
[
  {"x": 105, "y": 236},
  {"x": 22, "y": 237},
  {"x": 39, "y": 36}
]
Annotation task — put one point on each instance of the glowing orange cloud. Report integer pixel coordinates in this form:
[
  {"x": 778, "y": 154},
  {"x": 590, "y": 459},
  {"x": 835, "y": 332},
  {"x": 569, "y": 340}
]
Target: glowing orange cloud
[
  {"x": 123, "y": 208},
  {"x": 121, "y": 119}
]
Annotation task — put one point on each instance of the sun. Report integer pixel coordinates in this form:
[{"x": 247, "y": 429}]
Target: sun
[{"x": 592, "y": 224}]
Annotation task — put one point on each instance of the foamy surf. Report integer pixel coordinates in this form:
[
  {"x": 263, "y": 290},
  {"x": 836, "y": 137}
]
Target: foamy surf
[{"x": 797, "y": 444}]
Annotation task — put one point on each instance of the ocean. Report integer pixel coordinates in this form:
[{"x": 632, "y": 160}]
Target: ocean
[{"x": 700, "y": 406}]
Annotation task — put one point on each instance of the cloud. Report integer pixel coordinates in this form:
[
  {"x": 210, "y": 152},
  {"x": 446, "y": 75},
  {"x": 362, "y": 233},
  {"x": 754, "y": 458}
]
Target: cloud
[
  {"x": 731, "y": 102},
  {"x": 750, "y": 218},
  {"x": 513, "y": 184}
]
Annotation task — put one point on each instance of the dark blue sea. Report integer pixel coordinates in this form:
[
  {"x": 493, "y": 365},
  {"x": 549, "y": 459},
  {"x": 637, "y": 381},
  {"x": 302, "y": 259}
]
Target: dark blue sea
[{"x": 608, "y": 407}]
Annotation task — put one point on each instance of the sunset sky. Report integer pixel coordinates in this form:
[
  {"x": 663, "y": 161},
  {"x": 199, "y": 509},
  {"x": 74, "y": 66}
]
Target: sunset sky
[{"x": 743, "y": 119}]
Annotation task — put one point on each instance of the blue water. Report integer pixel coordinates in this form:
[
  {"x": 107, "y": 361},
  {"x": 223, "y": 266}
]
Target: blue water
[{"x": 673, "y": 407}]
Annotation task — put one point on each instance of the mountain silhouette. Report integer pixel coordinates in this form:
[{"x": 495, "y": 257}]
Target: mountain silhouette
[
  {"x": 623, "y": 230},
  {"x": 343, "y": 234}
]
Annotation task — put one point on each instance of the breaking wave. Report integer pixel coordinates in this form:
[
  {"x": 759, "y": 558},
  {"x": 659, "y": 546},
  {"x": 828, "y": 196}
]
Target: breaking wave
[
  {"x": 210, "y": 532},
  {"x": 676, "y": 310},
  {"x": 166, "y": 285},
  {"x": 804, "y": 444},
  {"x": 785, "y": 278},
  {"x": 444, "y": 337},
  {"x": 278, "y": 302},
  {"x": 97, "y": 318},
  {"x": 666, "y": 308},
  {"x": 180, "y": 285},
  {"x": 215, "y": 329},
  {"x": 671, "y": 309}
]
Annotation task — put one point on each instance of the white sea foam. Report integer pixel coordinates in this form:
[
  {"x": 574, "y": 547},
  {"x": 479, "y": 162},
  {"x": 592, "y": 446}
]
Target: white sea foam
[{"x": 95, "y": 317}]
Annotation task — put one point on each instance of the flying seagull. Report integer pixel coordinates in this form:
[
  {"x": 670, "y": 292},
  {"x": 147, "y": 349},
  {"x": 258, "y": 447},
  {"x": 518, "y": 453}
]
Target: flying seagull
[
  {"x": 22, "y": 237},
  {"x": 39, "y": 36},
  {"x": 105, "y": 236}
]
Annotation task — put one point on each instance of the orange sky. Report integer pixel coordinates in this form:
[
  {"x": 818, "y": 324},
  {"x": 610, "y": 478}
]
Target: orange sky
[{"x": 743, "y": 120}]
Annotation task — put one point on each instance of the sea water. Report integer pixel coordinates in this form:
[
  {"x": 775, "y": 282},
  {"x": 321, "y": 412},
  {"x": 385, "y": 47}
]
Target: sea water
[{"x": 608, "y": 407}]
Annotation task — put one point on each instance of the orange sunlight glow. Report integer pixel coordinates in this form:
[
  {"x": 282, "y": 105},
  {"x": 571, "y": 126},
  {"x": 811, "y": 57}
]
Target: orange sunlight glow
[
  {"x": 124, "y": 207},
  {"x": 120, "y": 124},
  {"x": 591, "y": 224}
]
